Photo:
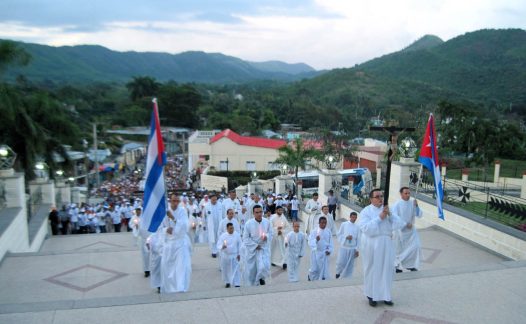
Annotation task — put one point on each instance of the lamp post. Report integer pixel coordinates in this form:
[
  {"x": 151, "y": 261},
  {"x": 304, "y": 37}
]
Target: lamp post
[
  {"x": 330, "y": 162},
  {"x": 41, "y": 171},
  {"x": 7, "y": 160},
  {"x": 284, "y": 169},
  {"x": 407, "y": 149}
]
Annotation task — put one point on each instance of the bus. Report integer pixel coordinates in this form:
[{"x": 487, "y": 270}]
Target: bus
[{"x": 353, "y": 182}]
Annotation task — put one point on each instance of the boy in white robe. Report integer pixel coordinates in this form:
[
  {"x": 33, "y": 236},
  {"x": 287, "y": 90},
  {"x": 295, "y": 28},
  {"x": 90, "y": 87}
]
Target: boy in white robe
[
  {"x": 295, "y": 243},
  {"x": 348, "y": 238},
  {"x": 407, "y": 241},
  {"x": 229, "y": 244},
  {"x": 280, "y": 226},
  {"x": 321, "y": 244}
]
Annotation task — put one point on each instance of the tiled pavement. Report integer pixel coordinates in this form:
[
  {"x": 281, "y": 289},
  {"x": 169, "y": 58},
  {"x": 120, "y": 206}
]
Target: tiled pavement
[{"x": 97, "y": 278}]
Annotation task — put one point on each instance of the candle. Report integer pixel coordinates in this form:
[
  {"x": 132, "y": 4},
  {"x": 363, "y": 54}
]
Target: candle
[
  {"x": 286, "y": 241},
  {"x": 224, "y": 243},
  {"x": 263, "y": 235},
  {"x": 136, "y": 221}
]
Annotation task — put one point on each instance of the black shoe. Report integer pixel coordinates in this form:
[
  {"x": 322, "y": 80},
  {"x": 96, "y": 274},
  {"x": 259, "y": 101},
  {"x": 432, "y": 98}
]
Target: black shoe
[
  {"x": 237, "y": 286},
  {"x": 398, "y": 270},
  {"x": 158, "y": 290},
  {"x": 227, "y": 285},
  {"x": 146, "y": 274},
  {"x": 388, "y": 302},
  {"x": 261, "y": 282},
  {"x": 308, "y": 277},
  {"x": 284, "y": 266},
  {"x": 273, "y": 264},
  {"x": 337, "y": 275},
  {"x": 214, "y": 255},
  {"x": 412, "y": 269},
  {"x": 372, "y": 303}
]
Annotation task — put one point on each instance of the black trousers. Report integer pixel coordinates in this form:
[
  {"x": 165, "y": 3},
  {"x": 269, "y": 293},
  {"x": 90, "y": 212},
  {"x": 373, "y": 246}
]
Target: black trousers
[{"x": 332, "y": 210}]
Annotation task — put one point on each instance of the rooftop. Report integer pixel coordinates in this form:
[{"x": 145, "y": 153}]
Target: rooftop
[{"x": 248, "y": 140}]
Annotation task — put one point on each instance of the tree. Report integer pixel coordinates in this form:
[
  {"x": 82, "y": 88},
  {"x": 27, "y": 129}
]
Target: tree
[
  {"x": 12, "y": 54},
  {"x": 142, "y": 86},
  {"x": 296, "y": 156}
]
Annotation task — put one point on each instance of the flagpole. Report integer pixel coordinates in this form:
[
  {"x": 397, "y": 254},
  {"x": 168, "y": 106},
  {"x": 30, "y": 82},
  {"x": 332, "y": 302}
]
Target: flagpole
[{"x": 156, "y": 107}]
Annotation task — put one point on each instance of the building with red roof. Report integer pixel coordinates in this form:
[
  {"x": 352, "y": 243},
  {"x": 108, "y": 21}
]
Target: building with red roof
[{"x": 227, "y": 150}]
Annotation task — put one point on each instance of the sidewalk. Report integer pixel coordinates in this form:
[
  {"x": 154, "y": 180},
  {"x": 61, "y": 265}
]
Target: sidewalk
[{"x": 98, "y": 278}]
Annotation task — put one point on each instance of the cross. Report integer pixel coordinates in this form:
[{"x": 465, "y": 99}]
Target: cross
[{"x": 393, "y": 136}]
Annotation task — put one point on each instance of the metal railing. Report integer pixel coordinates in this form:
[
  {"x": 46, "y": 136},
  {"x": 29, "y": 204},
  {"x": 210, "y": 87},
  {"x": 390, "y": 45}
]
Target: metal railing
[{"x": 491, "y": 202}]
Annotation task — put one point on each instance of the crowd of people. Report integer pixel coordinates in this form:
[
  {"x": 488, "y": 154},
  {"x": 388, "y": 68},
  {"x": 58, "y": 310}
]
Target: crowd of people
[{"x": 251, "y": 234}]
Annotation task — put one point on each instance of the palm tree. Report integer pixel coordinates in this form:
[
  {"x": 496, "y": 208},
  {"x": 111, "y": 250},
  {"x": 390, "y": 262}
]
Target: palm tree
[{"x": 296, "y": 156}]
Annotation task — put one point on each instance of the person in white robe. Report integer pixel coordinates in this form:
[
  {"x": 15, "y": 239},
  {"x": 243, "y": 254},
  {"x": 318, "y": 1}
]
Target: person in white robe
[
  {"x": 295, "y": 242},
  {"x": 258, "y": 234},
  {"x": 312, "y": 208},
  {"x": 192, "y": 228},
  {"x": 322, "y": 246},
  {"x": 155, "y": 243},
  {"x": 176, "y": 263},
  {"x": 377, "y": 224},
  {"x": 141, "y": 234},
  {"x": 229, "y": 219},
  {"x": 232, "y": 202},
  {"x": 280, "y": 226},
  {"x": 407, "y": 240},
  {"x": 331, "y": 224},
  {"x": 214, "y": 214},
  {"x": 348, "y": 237},
  {"x": 229, "y": 243}
]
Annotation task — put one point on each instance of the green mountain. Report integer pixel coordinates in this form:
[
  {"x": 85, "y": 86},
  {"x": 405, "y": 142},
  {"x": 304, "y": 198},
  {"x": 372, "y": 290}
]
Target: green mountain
[
  {"x": 486, "y": 65},
  {"x": 426, "y": 42},
  {"x": 89, "y": 63}
]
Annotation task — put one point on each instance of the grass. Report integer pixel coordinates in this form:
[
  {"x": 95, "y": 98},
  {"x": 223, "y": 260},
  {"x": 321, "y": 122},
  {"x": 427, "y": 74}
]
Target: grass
[{"x": 508, "y": 169}]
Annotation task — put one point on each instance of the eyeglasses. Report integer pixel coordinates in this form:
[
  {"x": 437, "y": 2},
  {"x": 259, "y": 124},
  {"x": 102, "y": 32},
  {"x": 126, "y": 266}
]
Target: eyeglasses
[{"x": 379, "y": 196}]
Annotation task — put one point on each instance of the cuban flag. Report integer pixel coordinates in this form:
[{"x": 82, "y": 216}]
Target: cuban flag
[
  {"x": 154, "y": 209},
  {"x": 429, "y": 158}
]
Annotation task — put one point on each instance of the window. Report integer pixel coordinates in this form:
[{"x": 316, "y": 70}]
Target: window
[
  {"x": 251, "y": 165},
  {"x": 223, "y": 165}
]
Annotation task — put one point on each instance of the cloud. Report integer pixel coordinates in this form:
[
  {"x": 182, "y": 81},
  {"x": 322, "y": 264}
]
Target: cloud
[{"x": 322, "y": 33}]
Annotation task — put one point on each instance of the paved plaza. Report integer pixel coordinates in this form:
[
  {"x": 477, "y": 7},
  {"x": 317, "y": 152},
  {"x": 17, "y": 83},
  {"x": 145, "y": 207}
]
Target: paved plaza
[{"x": 97, "y": 278}]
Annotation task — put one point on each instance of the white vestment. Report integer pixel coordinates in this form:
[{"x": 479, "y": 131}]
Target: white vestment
[
  {"x": 176, "y": 263},
  {"x": 233, "y": 204},
  {"x": 200, "y": 232},
  {"x": 407, "y": 241},
  {"x": 296, "y": 243},
  {"x": 319, "y": 260},
  {"x": 330, "y": 222},
  {"x": 257, "y": 250},
  {"x": 348, "y": 248},
  {"x": 278, "y": 252},
  {"x": 377, "y": 251},
  {"x": 312, "y": 208},
  {"x": 229, "y": 264},
  {"x": 142, "y": 234},
  {"x": 156, "y": 241},
  {"x": 222, "y": 226},
  {"x": 214, "y": 215}
]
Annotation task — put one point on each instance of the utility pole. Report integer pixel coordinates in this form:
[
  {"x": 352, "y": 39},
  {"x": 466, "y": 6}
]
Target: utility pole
[{"x": 95, "y": 148}]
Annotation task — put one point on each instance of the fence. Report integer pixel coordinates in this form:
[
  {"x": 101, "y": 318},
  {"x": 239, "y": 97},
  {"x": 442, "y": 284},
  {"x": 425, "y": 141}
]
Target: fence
[{"x": 497, "y": 203}]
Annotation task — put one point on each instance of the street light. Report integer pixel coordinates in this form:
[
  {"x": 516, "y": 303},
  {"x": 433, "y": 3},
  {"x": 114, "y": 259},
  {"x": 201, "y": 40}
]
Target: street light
[
  {"x": 7, "y": 157},
  {"x": 284, "y": 170},
  {"x": 41, "y": 170},
  {"x": 407, "y": 148},
  {"x": 330, "y": 162}
]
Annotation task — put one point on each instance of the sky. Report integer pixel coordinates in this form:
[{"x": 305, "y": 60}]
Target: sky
[{"x": 324, "y": 34}]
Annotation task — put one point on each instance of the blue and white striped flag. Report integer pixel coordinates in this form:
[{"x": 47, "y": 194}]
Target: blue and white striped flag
[{"x": 154, "y": 209}]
